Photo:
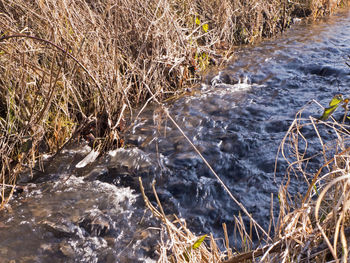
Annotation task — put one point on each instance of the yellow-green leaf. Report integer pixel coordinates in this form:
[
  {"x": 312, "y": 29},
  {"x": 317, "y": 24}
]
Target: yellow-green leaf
[
  {"x": 328, "y": 112},
  {"x": 199, "y": 242},
  {"x": 186, "y": 253},
  {"x": 336, "y": 100},
  {"x": 205, "y": 27},
  {"x": 198, "y": 22},
  {"x": 333, "y": 105}
]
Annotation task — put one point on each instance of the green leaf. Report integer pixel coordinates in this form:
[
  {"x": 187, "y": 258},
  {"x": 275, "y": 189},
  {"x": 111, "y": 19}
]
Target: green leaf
[
  {"x": 196, "y": 245},
  {"x": 334, "y": 103},
  {"x": 328, "y": 112},
  {"x": 205, "y": 28},
  {"x": 336, "y": 100},
  {"x": 199, "y": 242},
  {"x": 316, "y": 190}
]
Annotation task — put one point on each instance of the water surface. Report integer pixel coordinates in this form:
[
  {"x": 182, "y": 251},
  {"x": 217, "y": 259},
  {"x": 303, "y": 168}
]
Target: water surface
[{"x": 96, "y": 214}]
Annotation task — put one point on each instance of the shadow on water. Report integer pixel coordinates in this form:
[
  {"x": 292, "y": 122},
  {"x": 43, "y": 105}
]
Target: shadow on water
[{"x": 96, "y": 214}]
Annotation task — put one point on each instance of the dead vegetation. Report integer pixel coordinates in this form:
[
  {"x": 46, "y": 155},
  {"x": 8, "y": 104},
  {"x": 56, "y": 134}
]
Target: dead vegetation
[
  {"x": 76, "y": 67},
  {"x": 73, "y": 69},
  {"x": 317, "y": 225},
  {"x": 313, "y": 226}
]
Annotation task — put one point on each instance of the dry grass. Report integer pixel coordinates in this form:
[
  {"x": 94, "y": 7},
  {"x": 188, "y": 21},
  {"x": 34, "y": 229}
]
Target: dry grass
[
  {"x": 313, "y": 227},
  {"x": 73, "y": 69},
  {"x": 177, "y": 241},
  {"x": 316, "y": 227}
]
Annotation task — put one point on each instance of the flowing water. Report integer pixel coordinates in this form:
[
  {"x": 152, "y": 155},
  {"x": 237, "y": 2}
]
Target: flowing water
[{"x": 96, "y": 214}]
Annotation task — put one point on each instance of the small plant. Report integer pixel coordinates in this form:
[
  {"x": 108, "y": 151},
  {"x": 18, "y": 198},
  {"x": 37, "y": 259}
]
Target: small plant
[
  {"x": 333, "y": 105},
  {"x": 205, "y": 26}
]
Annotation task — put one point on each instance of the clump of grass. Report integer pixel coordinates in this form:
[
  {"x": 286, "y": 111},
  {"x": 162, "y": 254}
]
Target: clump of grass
[
  {"x": 316, "y": 226},
  {"x": 75, "y": 68},
  {"x": 179, "y": 244},
  {"x": 313, "y": 226}
]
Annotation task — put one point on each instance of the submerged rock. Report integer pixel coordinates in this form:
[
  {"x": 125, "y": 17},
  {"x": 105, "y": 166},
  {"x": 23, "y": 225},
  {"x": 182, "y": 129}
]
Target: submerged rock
[
  {"x": 60, "y": 229},
  {"x": 96, "y": 223},
  {"x": 126, "y": 165}
]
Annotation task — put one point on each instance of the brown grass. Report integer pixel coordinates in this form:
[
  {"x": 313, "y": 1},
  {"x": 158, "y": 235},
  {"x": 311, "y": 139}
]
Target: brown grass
[
  {"x": 311, "y": 227},
  {"x": 316, "y": 227},
  {"x": 75, "y": 68}
]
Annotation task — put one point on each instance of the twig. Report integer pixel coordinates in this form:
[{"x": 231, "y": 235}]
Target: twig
[
  {"x": 277, "y": 247},
  {"x": 256, "y": 224},
  {"x": 69, "y": 55}
]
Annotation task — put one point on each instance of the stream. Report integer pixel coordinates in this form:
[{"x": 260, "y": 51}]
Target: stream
[{"x": 237, "y": 118}]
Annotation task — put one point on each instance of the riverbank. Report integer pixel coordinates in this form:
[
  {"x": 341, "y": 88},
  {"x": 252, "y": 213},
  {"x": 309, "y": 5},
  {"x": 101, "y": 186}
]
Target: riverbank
[
  {"x": 48, "y": 93},
  {"x": 312, "y": 226}
]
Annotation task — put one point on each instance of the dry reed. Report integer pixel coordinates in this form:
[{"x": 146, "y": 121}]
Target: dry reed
[
  {"x": 70, "y": 68},
  {"x": 312, "y": 227}
]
